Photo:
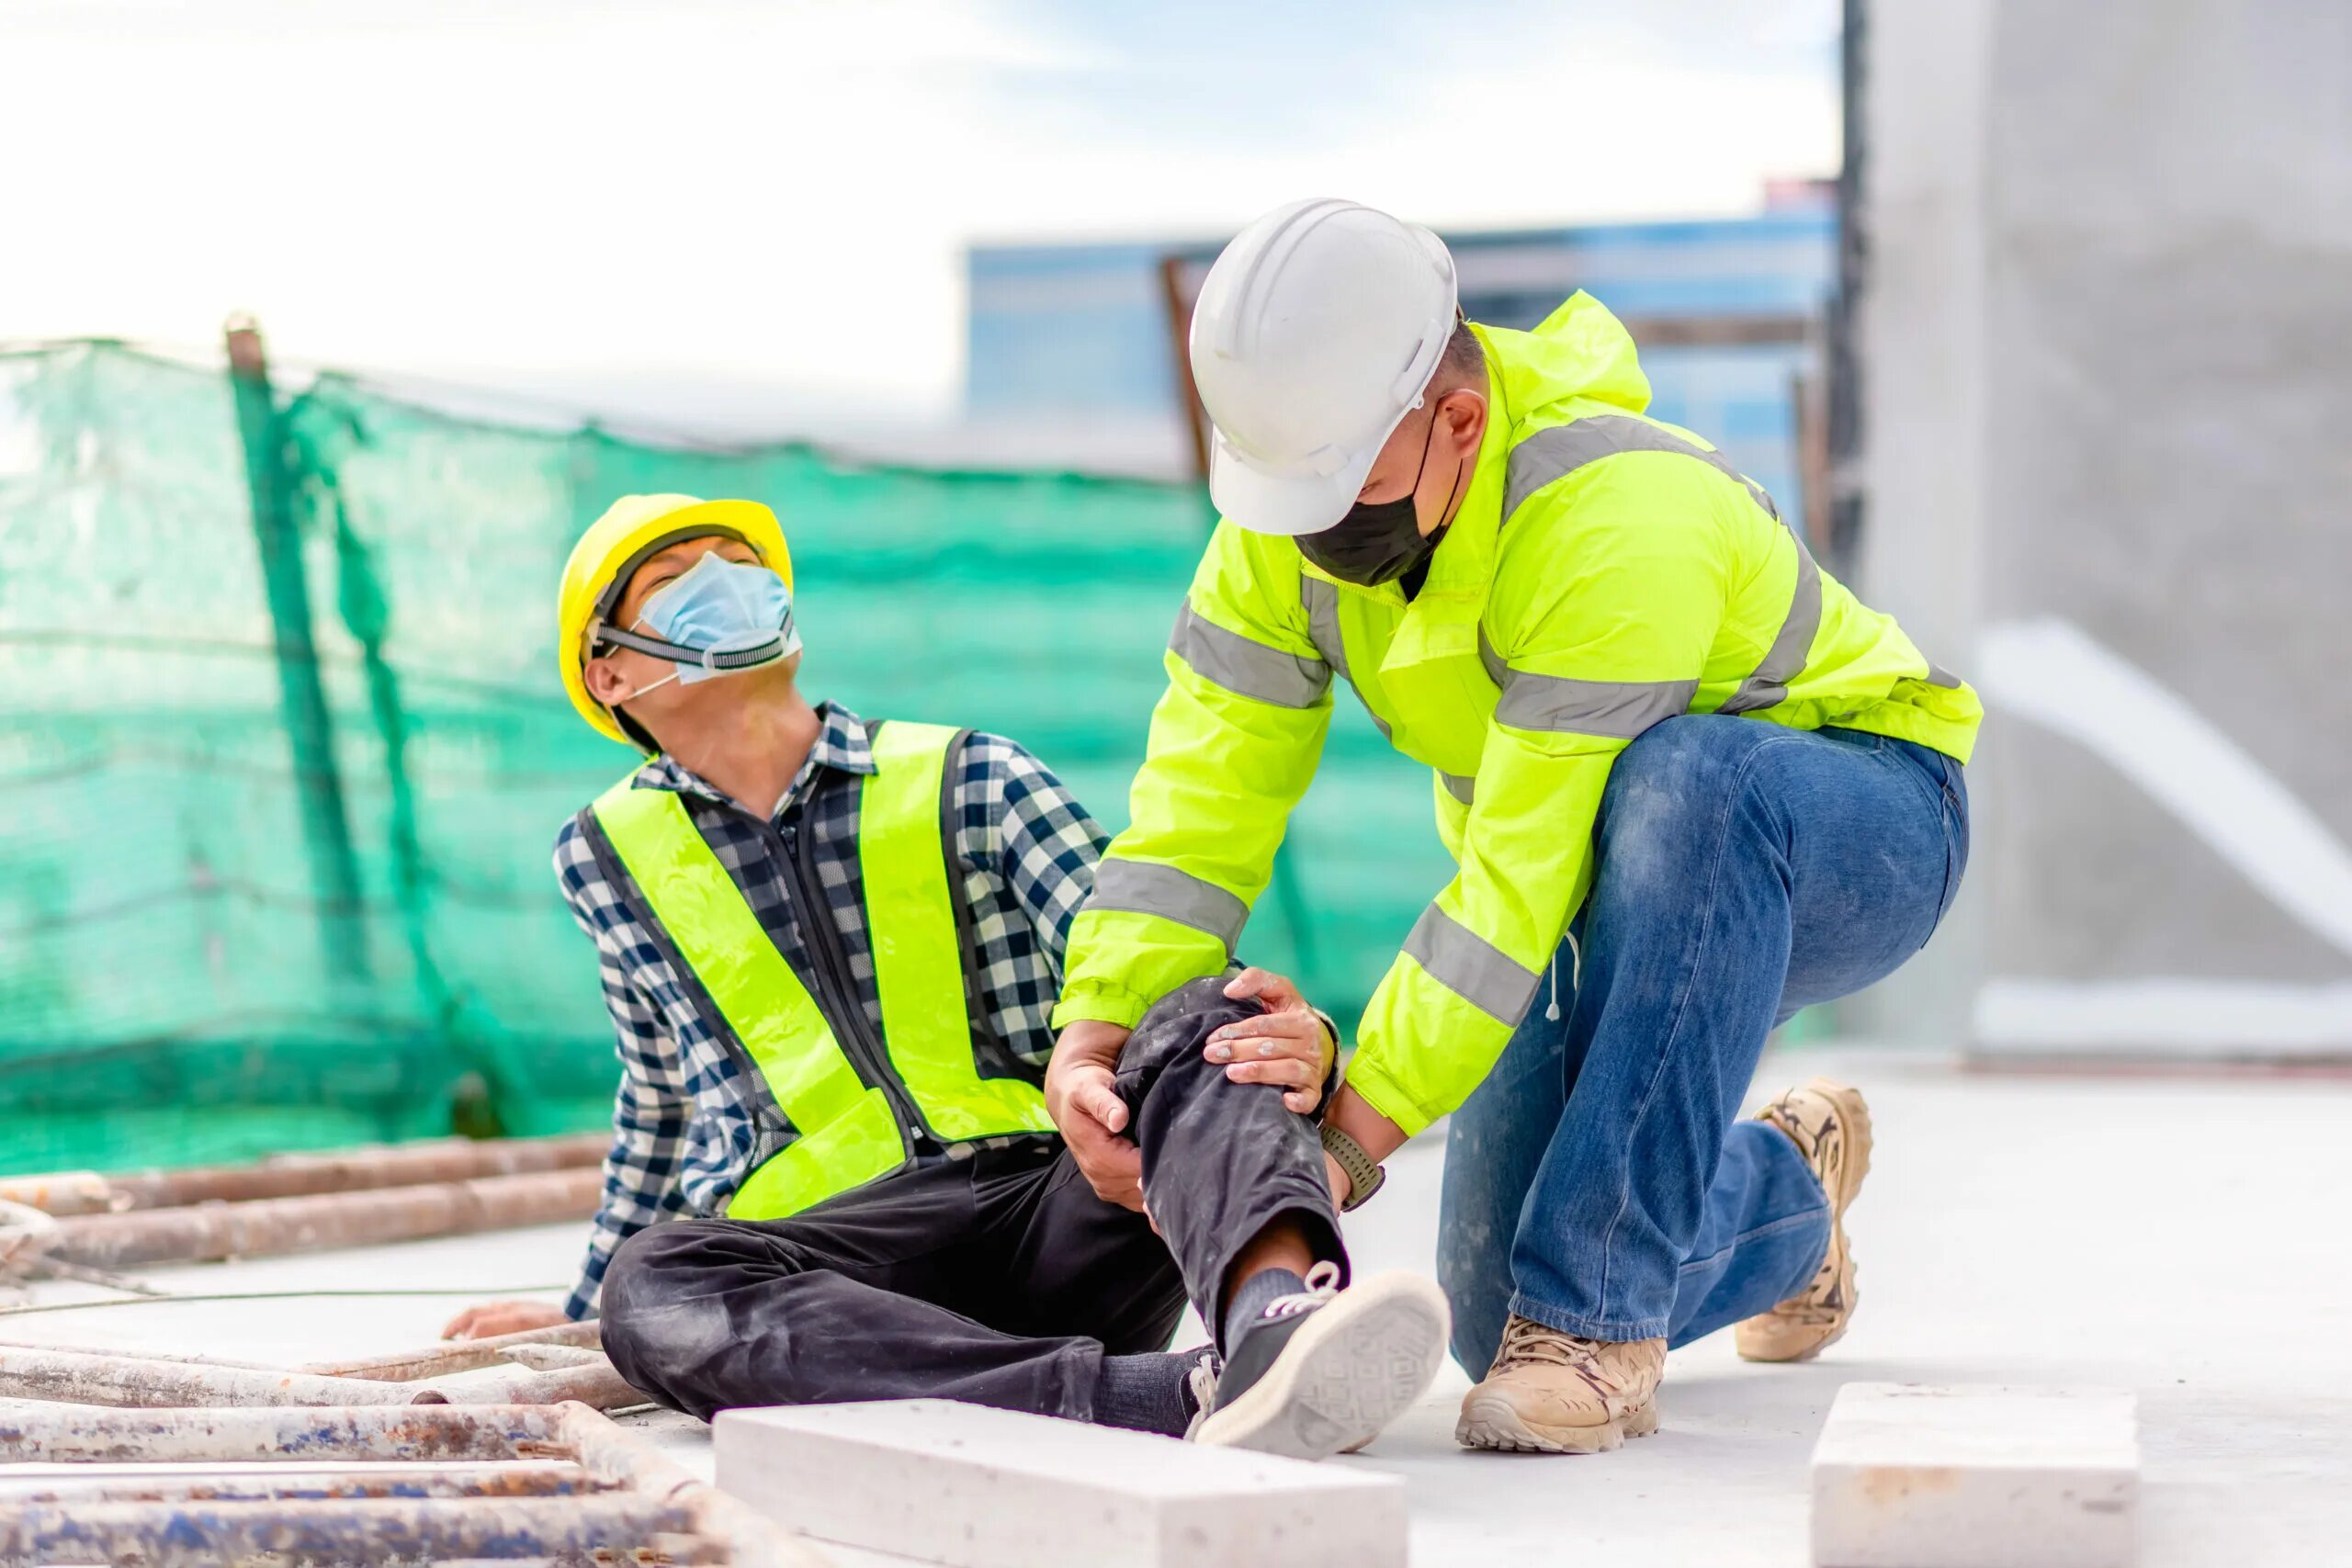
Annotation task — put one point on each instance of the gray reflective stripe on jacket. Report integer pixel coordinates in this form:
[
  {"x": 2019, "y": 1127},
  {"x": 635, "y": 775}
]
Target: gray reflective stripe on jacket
[
  {"x": 1246, "y": 667},
  {"x": 1322, "y": 603},
  {"x": 1552, "y": 455},
  {"x": 1617, "y": 709},
  {"x": 1471, "y": 967},
  {"x": 1146, "y": 887}
]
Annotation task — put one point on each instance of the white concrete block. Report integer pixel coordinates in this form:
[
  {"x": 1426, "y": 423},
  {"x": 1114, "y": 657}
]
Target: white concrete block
[
  {"x": 1908, "y": 1475},
  {"x": 980, "y": 1488}
]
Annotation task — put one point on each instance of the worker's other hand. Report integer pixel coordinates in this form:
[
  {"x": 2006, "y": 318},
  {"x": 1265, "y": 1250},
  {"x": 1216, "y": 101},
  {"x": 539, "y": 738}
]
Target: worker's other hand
[
  {"x": 488, "y": 1319},
  {"x": 1091, "y": 1114},
  {"x": 1286, "y": 1045}
]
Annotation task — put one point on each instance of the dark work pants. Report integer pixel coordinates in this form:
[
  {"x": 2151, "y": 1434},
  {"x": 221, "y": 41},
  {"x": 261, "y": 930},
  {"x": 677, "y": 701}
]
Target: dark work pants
[{"x": 1001, "y": 1279}]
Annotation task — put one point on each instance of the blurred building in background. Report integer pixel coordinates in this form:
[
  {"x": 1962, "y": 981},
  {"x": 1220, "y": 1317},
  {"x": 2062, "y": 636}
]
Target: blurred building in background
[
  {"x": 2106, "y": 370},
  {"x": 1082, "y": 330}
]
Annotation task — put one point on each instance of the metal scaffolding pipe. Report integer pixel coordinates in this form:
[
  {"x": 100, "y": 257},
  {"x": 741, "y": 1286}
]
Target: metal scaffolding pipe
[
  {"x": 555, "y": 1357},
  {"x": 439, "y": 1360},
  {"x": 519, "y": 1480},
  {"x": 360, "y": 1169},
  {"x": 79, "y": 1377},
  {"x": 61, "y": 1192},
  {"x": 60, "y": 1433},
  {"x": 595, "y": 1384},
  {"x": 370, "y": 1530},
  {"x": 125, "y": 1353},
  {"x": 612, "y": 1452},
  {"x": 273, "y": 1225}
]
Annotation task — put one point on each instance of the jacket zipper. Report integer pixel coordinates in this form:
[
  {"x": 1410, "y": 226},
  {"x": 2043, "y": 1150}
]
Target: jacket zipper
[{"x": 838, "y": 993}]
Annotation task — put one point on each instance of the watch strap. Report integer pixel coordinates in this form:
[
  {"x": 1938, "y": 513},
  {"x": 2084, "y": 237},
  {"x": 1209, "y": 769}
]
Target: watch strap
[{"x": 1364, "y": 1174}]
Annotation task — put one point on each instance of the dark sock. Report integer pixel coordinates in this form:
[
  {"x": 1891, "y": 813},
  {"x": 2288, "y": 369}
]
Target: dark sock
[
  {"x": 1250, "y": 1299},
  {"x": 1147, "y": 1394}
]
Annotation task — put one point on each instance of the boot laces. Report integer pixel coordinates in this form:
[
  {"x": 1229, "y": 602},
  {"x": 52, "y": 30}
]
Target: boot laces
[{"x": 1527, "y": 1342}]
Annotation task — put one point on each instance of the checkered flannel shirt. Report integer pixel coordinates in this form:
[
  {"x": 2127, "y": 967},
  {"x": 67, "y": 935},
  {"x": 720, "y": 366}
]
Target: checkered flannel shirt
[{"x": 681, "y": 1123}]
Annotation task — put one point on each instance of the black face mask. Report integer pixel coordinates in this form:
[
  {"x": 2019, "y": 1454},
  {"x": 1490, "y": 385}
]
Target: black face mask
[{"x": 1380, "y": 541}]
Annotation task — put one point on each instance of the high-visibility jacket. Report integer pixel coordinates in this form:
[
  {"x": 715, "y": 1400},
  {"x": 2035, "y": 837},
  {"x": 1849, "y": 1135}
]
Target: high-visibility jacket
[
  {"x": 838, "y": 1106},
  {"x": 1603, "y": 573}
]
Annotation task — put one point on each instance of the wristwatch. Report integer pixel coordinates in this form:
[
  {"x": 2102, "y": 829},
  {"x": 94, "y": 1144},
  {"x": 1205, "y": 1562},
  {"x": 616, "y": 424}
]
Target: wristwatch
[{"x": 1364, "y": 1174}]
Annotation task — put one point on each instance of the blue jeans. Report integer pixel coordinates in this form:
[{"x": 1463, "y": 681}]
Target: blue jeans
[{"x": 1596, "y": 1182}]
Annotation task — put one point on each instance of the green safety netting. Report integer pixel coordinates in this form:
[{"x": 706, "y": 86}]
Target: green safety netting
[{"x": 273, "y": 843}]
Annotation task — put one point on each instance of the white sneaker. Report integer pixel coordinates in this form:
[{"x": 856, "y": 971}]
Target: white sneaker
[{"x": 1323, "y": 1370}]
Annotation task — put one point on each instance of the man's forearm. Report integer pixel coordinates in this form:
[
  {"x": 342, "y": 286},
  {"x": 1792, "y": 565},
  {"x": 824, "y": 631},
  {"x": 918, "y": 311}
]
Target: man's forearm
[{"x": 1374, "y": 1133}]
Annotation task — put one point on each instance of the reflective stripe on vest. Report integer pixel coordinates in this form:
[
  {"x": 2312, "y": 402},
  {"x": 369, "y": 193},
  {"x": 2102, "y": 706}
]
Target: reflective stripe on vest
[{"x": 847, "y": 1135}]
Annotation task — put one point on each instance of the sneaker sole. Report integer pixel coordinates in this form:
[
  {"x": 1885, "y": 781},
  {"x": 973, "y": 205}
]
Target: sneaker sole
[
  {"x": 1351, "y": 1369},
  {"x": 1492, "y": 1423},
  {"x": 1854, "y": 1121}
]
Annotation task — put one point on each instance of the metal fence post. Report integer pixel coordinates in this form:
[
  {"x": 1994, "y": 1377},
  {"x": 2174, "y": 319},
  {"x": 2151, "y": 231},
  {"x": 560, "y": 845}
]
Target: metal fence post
[{"x": 326, "y": 830}]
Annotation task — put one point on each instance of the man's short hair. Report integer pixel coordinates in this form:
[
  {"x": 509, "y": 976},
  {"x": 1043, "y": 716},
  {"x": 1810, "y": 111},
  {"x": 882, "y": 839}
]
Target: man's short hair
[{"x": 1464, "y": 359}]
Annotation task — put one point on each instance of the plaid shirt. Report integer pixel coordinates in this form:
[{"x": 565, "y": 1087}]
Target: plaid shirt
[{"x": 682, "y": 1121}]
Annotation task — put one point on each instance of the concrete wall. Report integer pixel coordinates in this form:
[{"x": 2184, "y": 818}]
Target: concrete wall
[{"x": 2107, "y": 341}]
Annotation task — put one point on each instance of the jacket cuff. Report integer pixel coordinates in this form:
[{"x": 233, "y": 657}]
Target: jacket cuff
[
  {"x": 1095, "y": 1001},
  {"x": 1381, "y": 1092}
]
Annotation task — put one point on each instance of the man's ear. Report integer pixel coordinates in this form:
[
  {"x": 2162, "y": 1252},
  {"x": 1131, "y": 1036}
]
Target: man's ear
[
  {"x": 1465, "y": 417},
  {"x": 604, "y": 683}
]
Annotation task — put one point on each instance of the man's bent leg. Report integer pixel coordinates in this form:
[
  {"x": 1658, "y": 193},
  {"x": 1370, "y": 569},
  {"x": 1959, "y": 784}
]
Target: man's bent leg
[
  {"x": 1744, "y": 869},
  {"x": 1309, "y": 1370},
  {"x": 1222, "y": 1161},
  {"x": 1763, "y": 1215},
  {"x": 876, "y": 1294}
]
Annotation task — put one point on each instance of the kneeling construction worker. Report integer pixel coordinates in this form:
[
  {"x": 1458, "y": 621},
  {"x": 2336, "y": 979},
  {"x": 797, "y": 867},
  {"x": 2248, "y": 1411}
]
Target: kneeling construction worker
[
  {"x": 1691, "y": 783},
  {"x": 829, "y": 947}
]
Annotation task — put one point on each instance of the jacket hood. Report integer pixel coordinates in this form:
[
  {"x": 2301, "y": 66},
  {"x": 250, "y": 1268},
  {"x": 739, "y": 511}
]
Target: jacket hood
[{"x": 1580, "y": 353}]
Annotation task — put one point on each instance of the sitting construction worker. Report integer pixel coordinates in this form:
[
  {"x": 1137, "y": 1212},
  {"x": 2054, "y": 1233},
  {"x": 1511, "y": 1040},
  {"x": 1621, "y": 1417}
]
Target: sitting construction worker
[{"x": 829, "y": 947}]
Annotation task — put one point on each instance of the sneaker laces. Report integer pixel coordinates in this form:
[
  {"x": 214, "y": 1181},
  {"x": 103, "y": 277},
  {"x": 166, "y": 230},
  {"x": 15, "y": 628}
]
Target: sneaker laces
[
  {"x": 1200, "y": 1381},
  {"x": 1322, "y": 1285}
]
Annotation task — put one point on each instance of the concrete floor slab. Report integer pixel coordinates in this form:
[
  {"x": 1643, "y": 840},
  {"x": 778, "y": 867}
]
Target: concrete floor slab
[{"x": 2177, "y": 1238}]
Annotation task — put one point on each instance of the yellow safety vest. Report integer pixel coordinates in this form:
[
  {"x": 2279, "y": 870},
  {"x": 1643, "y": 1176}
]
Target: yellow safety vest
[
  {"x": 1604, "y": 571},
  {"x": 843, "y": 1103}
]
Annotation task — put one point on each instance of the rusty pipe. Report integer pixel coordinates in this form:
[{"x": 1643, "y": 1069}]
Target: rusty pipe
[
  {"x": 124, "y": 1353},
  {"x": 185, "y": 1535},
  {"x": 457, "y": 1356},
  {"x": 595, "y": 1384},
  {"x": 62, "y": 1193},
  {"x": 268, "y": 1226},
  {"x": 80, "y": 1377},
  {"x": 63, "y": 1434},
  {"x": 554, "y": 1357},
  {"x": 492, "y": 1480},
  {"x": 304, "y": 1175},
  {"x": 611, "y": 1452}
]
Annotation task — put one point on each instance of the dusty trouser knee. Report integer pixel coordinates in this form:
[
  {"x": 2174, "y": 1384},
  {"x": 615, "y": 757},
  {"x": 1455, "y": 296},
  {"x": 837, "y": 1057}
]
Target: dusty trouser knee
[
  {"x": 659, "y": 1316},
  {"x": 1221, "y": 1160}
]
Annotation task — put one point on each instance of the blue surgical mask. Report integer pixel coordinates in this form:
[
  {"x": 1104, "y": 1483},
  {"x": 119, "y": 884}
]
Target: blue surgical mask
[{"x": 718, "y": 618}]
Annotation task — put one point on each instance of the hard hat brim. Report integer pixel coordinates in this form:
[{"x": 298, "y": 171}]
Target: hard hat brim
[{"x": 1287, "y": 505}]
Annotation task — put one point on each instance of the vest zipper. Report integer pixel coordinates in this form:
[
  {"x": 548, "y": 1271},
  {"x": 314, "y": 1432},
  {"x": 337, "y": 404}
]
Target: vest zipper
[{"x": 838, "y": 992}]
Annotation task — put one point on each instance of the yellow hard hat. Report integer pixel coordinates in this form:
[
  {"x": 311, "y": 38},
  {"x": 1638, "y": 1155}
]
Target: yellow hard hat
[{"x": 633, "y": 528}]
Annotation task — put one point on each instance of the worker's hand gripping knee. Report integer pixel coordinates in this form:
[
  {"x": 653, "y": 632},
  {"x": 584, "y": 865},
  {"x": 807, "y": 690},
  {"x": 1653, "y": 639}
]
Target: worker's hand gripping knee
[
  {"x": 1092, "y": 1116},
  {"x": 1286, "y": 1046}
]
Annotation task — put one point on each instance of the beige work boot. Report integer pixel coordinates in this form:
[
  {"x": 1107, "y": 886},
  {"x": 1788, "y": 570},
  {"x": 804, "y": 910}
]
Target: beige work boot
[
  {"x": 1831, "y": 1127},
  {"x": 1560, "y": 1394}
]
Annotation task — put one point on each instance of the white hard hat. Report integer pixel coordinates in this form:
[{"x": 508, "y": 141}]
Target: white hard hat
[{"x": 1313, "y": 337}]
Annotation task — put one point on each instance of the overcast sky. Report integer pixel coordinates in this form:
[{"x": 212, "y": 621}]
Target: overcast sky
[{"x": 699, "y": 204}]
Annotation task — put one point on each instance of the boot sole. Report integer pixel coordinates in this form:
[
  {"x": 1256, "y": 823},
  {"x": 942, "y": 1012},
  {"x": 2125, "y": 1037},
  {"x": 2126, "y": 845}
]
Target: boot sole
[
  {"x": 1854, "y": 1119},
  {"x": 1351, "y": 1369},
  {"x": 1492, "y": 1423}
]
